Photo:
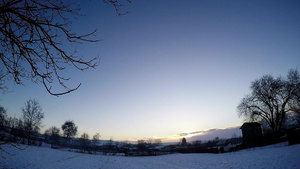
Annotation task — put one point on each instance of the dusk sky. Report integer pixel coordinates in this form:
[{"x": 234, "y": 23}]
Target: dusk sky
[{"x": 169, "y": 66}]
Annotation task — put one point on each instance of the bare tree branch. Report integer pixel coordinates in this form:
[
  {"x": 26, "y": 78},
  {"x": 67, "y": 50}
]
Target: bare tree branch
[
  {"x": 117, "y": 5},
  {"x": 271, "y": 98},
  {"x": 32, "y": 39}
]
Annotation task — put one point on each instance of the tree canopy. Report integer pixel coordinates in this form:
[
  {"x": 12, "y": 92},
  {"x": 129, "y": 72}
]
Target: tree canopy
[
  {"x": 270, "y": 99},
  {"x": 69, "y": 129}
]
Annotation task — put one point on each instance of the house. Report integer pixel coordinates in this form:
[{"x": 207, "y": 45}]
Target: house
[{"x": 252, "y": 134}]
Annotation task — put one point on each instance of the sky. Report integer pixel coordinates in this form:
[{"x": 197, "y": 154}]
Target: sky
[{"x": 168, "y": 67}]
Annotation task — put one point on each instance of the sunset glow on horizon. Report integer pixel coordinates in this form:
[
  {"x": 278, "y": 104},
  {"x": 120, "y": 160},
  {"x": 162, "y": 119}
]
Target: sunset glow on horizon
[{"x": 168, "y": 69}]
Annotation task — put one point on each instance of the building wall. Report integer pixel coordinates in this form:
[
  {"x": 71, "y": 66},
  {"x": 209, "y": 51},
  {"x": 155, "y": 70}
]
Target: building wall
[{"x": 252, "y": 134}]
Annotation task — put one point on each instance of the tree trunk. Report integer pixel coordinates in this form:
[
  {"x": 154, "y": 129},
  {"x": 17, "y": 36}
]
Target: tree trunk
[{"x": 28, "y": 139}]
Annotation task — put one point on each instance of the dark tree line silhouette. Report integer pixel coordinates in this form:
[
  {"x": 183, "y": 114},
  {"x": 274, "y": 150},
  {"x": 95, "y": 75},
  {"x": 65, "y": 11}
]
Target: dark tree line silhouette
[{"x": 26, "y": 130}]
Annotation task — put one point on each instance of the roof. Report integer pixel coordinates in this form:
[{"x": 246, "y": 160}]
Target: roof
[{"x": 250, "y": 124}]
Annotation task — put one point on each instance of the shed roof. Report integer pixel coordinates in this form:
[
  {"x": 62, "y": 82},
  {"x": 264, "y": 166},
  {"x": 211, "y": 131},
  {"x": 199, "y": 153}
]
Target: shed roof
[{"x": 250, "y": 124}]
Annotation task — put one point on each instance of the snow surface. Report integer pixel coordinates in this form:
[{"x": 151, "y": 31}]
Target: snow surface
[{"x": 274, "y": 156}]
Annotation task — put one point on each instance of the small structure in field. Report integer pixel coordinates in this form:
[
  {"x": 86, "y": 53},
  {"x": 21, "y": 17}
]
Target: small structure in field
[
  {"x": 252, "y": 134},
  {"x": 294, "y": 135}
]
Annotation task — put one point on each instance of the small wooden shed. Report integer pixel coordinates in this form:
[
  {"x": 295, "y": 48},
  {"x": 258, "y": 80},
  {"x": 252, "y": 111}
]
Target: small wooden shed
[{"x": 252, "y": 134}]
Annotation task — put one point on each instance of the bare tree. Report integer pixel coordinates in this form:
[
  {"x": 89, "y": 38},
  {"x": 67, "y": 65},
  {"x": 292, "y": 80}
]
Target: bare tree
[
  {"x": 31, "y": 38},
  {"x": 152, "y": 143},
  {"x": 296, "y": 109},
  {"x": 149, "y": 141},
  {"x": 32, "y": 117},
  {"x": 12, "y": 122},
  {"x": 53, "y": 133},
  {"x": 96, "y": 137},
  {"x": 2, "y": 116},
  {"x": 141, "y": 145},
  {"x": 69, "y": 129},
  {"x": 270, "y": 99},
  {"x": 84, "y": 136},
  {"x": 84, "y": 141},
  {"x": 157, "y": 142},
  {"x": 20, "y": 124},
  {"x": 295, "y": 106}
]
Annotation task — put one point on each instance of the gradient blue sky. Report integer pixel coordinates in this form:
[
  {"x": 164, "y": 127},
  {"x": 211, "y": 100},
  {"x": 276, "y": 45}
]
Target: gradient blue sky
[{"x": 169, "y": 66}]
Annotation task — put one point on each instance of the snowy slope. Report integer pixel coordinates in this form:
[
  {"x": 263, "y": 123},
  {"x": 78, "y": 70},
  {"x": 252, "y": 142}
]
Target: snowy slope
[{"x": 264, "y": 157}]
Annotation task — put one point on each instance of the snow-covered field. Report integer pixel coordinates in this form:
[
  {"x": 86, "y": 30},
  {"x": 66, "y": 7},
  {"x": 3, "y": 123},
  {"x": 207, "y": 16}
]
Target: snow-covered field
[{"x": 274, "y": 156}]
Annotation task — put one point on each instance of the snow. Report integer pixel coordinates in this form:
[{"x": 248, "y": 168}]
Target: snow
[{"x": 274, "y": 156}]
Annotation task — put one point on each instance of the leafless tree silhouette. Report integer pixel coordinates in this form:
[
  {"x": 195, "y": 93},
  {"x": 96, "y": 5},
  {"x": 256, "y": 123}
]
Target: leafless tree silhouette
[
  {"x": 31, "y": 37},
  {"x": 84, "y": 141},
  {"x": 32, "y": 117},
  {"x": 270, "y": 99},
  {"x": 96, "y": 138},
  {"x": 117, "y": 5},
  {"x": 2, "y": 116},
  {"x": 53, "y": 134}
]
